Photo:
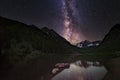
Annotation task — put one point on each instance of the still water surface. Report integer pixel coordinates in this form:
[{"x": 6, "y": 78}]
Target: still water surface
[{"x": 82, "y": 70}]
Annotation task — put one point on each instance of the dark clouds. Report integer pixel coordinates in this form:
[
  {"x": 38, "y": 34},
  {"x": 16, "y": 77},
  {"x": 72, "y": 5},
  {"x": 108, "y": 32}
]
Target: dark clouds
[{"x": 96, "y": 17}]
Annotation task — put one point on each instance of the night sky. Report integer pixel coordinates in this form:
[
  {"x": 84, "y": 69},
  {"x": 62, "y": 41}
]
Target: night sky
[{"x": 76, "y": 20}]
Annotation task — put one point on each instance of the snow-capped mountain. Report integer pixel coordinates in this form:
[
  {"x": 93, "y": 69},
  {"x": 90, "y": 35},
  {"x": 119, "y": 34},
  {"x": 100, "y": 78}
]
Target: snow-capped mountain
[{"x": 86, "y": 44}]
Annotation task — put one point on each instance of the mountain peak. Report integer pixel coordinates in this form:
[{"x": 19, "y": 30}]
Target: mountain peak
[
  {"x": 115, "y": 27},
  {"x": 45, "y": 29}
]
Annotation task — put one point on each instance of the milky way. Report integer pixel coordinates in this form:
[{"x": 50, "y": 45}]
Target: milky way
[
  {"x": 75, "y": 20},
  {"x": 70, "y": 15}
]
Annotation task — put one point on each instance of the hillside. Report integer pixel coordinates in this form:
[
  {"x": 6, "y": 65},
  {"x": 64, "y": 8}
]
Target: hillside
[
  {"x": 19, "y": 41},
  {"x": 112, "y": 39}
]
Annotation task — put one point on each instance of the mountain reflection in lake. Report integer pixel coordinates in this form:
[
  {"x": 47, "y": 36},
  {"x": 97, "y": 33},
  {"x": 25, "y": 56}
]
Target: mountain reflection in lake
[{"x": 82, "y": 70}]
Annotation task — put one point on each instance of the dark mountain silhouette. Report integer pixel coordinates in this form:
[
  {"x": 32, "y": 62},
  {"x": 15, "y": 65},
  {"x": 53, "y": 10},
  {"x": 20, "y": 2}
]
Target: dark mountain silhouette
[
  {"x": 112, "y": 39},
  {"x": 20, "y": 41}
]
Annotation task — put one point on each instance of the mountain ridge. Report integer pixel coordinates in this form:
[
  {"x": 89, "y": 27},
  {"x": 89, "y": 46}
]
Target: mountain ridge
[
  {"x": 19, "y": 41},
  {"x": 112, "y": 38}
]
